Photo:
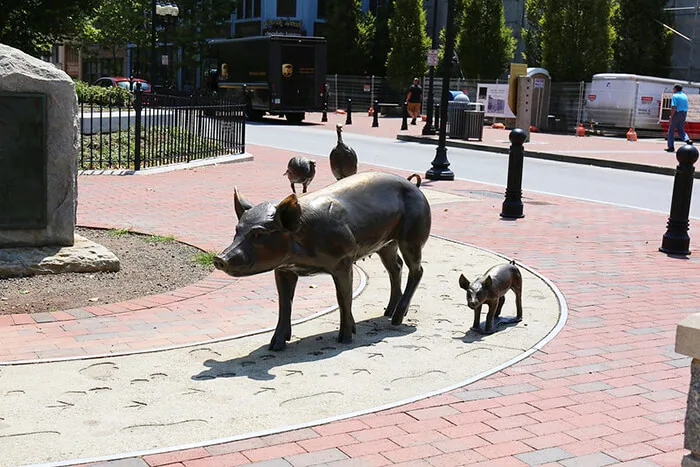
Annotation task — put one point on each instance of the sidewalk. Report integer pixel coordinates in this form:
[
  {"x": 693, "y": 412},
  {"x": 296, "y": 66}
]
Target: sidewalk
[
  {"x": 607, "y": 390},
  {"x": 643, "y": 155}
]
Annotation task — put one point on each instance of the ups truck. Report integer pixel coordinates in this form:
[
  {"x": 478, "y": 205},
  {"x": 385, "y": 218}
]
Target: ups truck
[{"x": 279, "y": 75}]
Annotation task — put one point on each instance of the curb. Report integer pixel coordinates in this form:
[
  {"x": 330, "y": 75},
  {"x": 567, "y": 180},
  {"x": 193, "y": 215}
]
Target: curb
[{"x": 550, "y": 156}]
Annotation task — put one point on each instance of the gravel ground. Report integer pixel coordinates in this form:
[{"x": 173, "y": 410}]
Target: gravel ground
[{"x": 149, "y": 265}]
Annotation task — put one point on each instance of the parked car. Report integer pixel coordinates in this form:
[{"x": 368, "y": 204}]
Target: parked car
[
  {"x": 122, "y": 82},
  {"x": 149, "y": 97}
]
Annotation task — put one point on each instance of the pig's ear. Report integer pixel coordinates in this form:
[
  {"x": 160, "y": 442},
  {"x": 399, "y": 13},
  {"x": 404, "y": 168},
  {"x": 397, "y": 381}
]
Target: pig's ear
[
  {"x": 239, "y": 203},
  {"x": 463, "y": 282},
  {"x": 289, "y": 213},
  {"x": 488, "y": 282}
]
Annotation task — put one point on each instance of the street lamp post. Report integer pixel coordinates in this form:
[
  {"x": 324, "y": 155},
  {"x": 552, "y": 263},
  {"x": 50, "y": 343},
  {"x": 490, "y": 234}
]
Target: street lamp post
[
  {"x": 429, "y": 129},
  {"x": 165, "y": 11},
  {"x": 440, "y": 165}
]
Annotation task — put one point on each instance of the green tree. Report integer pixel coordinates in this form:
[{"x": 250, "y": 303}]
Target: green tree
[
  {"x": 343, "y": 37},
  {"x": 409, "y": 43},
  {"x": 198, "y": 21},
  {"x": 532, "y": 34},
  {"x": 112, "y": 25},
  {"x": 34, "y": 25},
  {"x": 485, "y": 45},
  {"x": 577, "y": 38},
  {"x": 382, "y": 43},
  {"x": 454, "y": 63},
  {"x": 642, "y": 46}
]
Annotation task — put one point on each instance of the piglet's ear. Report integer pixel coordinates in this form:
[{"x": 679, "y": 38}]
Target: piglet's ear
[
  {"x": 488, "y": 282},
  {"x": 463, "y": 282},
  {"x": 239, "y": 203},
  {"x": 289, "y": 213}
]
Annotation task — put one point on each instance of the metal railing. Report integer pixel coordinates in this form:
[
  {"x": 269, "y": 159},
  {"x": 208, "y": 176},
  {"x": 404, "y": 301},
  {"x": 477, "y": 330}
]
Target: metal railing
[
  {"x": 157, "y": 130},
  {"x": 570, "y": 103}
]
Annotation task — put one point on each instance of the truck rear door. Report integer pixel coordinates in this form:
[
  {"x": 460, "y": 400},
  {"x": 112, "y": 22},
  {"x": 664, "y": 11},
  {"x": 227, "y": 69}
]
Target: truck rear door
[{"x": 298, "y": 70}]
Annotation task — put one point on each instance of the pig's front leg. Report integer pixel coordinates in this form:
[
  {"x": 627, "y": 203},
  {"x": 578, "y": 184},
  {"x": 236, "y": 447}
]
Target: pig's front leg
[
  {"x": 342, "y": 277},
  {"x": 493, "y": 310},
  {"x": 286, "y": 282},
  {"x": 477, "y": 319}
]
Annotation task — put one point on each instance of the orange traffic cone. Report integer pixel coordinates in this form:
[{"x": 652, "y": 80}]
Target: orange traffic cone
[
  {"x": 580, "y": 130},
  {"x": 631, "y": 135}
]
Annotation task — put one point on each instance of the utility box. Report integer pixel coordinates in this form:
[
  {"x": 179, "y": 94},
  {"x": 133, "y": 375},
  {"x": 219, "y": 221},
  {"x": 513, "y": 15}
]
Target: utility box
[{"x": 540, "y": 91}]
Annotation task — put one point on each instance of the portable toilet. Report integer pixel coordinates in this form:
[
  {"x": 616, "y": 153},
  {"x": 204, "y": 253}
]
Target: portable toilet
[{"x": 541, "y": 84}]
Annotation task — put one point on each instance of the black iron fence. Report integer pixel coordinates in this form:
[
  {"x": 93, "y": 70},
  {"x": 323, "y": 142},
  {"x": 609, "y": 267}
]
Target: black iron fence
[{"x": 155, "y": 130}]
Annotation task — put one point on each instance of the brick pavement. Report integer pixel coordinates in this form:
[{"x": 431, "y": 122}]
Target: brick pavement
[{"x": 609, "y": 389}]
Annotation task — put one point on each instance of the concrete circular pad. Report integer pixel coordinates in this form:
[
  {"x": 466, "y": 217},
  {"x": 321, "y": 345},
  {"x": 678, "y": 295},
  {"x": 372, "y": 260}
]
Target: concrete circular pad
[{"x": 86, "y": 409}]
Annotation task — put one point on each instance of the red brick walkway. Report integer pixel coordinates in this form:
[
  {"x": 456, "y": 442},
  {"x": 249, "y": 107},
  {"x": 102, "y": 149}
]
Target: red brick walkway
[{"x": 608, "y": 389}]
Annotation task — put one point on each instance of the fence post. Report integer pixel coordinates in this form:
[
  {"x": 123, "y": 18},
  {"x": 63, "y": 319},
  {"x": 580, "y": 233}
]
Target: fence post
[
  {"x": 137, "y": 126},
  {"x": 348, "y": 116},
  {"x": 676, "y": 240}
]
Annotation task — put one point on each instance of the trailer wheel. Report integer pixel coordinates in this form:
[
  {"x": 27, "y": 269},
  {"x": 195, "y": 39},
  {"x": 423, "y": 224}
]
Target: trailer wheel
[{"x": 295, "y": 117}]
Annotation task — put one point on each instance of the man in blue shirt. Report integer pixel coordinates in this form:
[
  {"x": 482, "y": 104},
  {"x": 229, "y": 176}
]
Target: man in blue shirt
[{"x": 679, "y": 110}]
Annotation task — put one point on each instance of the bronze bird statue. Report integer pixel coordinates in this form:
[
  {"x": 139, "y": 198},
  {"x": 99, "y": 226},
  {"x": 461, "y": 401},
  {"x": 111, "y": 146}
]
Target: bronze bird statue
[
  {"x": 300, "y": 170},
  {"x": 343, "y": 157}
]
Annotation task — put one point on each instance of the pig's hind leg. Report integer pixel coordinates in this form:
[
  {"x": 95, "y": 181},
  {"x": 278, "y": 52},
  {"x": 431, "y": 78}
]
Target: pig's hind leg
[
  {"x": 412, "y": 256},
  {"x": 342, "y": 277},
  {"x": 392, "y": 262}
]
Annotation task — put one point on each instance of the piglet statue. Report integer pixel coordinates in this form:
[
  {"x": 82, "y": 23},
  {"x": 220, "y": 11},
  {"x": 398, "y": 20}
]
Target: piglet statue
[
  {"x": 326, "y": 232},
  {"x": 491, "y": 289}
]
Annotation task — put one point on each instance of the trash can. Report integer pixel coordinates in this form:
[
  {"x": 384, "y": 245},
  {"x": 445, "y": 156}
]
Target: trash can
[
  {"x": 456, "y": 116},
  {"x": 474, "y": 121}
]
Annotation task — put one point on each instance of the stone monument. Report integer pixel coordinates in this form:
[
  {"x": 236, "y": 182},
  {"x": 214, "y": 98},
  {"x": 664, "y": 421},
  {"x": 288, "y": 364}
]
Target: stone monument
[{"x": 39, "y": 144}]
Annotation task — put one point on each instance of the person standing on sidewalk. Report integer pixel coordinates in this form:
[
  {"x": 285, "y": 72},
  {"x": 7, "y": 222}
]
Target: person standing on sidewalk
[
  {"x": 679, "y": 110},
  {"x": 413, "y": 98}
]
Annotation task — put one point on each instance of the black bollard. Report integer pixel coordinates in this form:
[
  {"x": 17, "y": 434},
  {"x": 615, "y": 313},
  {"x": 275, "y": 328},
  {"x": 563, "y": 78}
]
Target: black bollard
[
  {"x": 437, "y": 115},
  {"x": 348, "y": 116},
  {"x": 676, "y": 240},
  {"x": 513, "y": 204},
  {"x": 324, "y": 115},
  {"x": 375, "y": 114},
  {"x": 404, "y": 121}
]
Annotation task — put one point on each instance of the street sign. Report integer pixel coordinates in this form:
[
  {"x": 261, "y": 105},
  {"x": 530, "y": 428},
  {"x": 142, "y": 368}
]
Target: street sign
[
  {"x": 432, "y": 57},
  {"x": 163, "y": 59}
]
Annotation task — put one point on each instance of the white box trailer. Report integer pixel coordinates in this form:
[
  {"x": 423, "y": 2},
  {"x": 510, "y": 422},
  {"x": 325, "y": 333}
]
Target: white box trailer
[{"x": 619, "y": 100}]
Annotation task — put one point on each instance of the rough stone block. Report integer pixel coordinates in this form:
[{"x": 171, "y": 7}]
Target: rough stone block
[{"x": 21, "y": 73}]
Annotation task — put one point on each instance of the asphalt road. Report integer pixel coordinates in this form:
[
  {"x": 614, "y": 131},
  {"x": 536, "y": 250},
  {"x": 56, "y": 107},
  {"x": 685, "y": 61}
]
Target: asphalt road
[{"x": 619, "y": 187}]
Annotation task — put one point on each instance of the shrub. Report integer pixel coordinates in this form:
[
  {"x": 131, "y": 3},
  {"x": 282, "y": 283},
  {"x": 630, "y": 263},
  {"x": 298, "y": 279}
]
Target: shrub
[{"x": 107, "y": 97}]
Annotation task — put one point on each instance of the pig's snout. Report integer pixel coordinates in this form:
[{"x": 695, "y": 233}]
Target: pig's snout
[{"x": 219, "y": 263}]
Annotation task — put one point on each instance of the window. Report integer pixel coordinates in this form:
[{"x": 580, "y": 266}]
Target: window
[
  {"x": 321, "y": 10},
  {"x": 250, "y": 9},
  {"x": 286, "y": 8}
]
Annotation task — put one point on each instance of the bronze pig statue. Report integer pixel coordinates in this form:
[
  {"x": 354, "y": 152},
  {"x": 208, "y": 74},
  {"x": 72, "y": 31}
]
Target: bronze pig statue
[
  {"x": 326, "y": 232},
  {"x": 491, "y": 289}
]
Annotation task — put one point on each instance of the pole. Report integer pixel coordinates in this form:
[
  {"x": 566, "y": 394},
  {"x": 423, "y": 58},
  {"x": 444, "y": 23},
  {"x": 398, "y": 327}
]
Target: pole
[
  {"x": 429, "y": 129},
  {"x": 440, "y": 164},
  {"x": 692, "y": 41},
  {"x": 154, "y": 62}
]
